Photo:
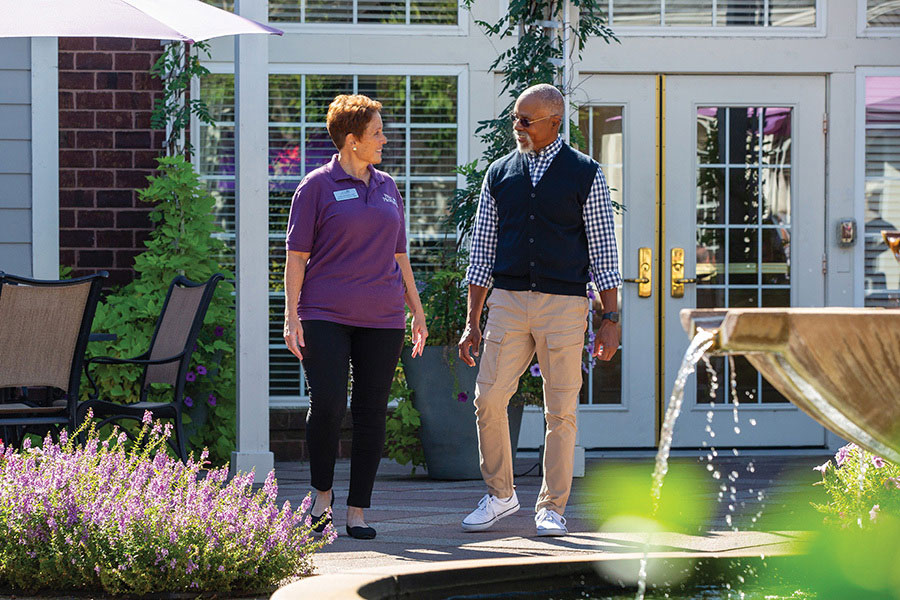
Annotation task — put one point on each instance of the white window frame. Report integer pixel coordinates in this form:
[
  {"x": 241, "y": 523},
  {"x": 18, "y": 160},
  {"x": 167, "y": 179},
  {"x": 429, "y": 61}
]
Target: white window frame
[
  {"x": 859, "y": 172},
  {"x": 767, "y": 31},
  {"x": 862, "y": 24},
  {"x": 460, "y": 29},
  {"x": 461, "y": 72}
]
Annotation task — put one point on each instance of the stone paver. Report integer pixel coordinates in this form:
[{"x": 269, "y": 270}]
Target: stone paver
[{"x": 417, "y": 519}]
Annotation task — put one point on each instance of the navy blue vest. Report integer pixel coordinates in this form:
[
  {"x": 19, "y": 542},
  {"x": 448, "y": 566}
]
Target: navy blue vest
[{"x": 541, "y": 241}]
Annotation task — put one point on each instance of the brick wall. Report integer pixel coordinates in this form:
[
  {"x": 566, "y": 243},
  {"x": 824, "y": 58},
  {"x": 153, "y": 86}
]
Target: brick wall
[{"x": 106, "y": 150}]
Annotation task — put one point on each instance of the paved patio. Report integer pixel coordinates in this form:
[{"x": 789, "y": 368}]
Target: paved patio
[{"x": 417, "y": 519}]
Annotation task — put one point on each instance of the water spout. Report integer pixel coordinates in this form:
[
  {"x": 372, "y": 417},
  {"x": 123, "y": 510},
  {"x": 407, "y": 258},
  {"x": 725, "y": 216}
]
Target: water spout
[{"x": 839, "y": 365}]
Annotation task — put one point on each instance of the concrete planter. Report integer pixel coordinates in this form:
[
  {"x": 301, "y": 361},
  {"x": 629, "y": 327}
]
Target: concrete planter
[{"x": 449, "y": 434}]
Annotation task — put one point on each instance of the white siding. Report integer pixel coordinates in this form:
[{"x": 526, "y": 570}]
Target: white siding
[{"x": 15, "y": 156}]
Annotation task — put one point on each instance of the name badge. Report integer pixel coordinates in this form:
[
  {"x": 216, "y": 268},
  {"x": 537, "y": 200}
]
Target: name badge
[{"x": 347, "y": 194}]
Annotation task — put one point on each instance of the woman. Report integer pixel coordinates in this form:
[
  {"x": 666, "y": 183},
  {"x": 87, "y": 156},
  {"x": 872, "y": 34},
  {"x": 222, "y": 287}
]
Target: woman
[{"x": 346, "y": 279}]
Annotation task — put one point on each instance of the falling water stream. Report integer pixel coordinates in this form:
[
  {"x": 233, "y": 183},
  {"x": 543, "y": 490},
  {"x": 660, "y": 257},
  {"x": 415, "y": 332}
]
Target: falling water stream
[
  {"x": 696, "y": 352},
  {"x": 699, "y": 345}
]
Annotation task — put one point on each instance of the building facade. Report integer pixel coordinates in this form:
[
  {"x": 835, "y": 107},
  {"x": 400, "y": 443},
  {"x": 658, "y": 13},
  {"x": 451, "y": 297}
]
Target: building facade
[{"x": 754, "y": 146}]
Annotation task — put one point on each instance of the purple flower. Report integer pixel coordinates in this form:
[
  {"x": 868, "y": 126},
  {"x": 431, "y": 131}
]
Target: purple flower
[
  {"x": 211, "y": 400},
  {"x": 535, "y": 370},
  {"x": 895, "y": 481},
  {"x": 188, "y": 401},
  {"x": 878, "y": 462},
  {"x": 190, "y": 376},
  {"x": 842, "y": 455},
  {"x": 219, "y": 331},
  {"x": 462, "y": 397},
  {"x": 201, "y": 370}
]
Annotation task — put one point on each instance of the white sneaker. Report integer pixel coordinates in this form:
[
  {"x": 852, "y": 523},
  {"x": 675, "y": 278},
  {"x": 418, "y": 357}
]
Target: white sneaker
[
  {"x": 550, "y": 522},
  {"x": 490, "y": 510}
]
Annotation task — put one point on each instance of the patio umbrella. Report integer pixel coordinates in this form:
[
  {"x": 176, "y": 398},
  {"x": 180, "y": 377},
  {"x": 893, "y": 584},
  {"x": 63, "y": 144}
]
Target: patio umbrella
[{"x": 185, "y": 20}]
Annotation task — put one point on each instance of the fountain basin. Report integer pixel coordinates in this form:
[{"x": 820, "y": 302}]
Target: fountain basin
[{"x": 839, "y": 365}]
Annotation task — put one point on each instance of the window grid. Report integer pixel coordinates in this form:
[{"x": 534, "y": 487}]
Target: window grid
[
  {"x": 215, "y": 162},
  {"x": 881, "y": 189},
  {"x": 805, "y": 14},
  {"x": 727, "y": 228}
]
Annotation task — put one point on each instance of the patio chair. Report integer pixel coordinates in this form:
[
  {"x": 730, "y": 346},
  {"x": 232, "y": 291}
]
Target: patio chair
[
  {"x": 166, "y": 361},
  {"x": 44, "y": 328}
]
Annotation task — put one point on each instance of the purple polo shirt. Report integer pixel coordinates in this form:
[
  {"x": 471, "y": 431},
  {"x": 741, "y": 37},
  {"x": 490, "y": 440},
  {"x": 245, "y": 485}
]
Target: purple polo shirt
[{"x": 352, "y": 232}]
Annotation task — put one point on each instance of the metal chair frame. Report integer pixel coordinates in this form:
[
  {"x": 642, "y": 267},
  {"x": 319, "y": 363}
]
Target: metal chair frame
[
  {"x": 109, "y": 411},
  {"x": 69, "y": 416}
]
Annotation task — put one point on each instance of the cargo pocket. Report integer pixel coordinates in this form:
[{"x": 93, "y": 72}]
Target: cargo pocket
[
  {"x": 490, "y": 356},
  {"x": 565, "y": 354}
]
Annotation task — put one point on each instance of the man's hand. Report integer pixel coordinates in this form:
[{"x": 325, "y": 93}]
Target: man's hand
[
  {"x": 607, "y": 341},
  {"x": 419, "y": 333},
  {"x": 470, "y": 341},
  {"x": 293, "y": 335}
]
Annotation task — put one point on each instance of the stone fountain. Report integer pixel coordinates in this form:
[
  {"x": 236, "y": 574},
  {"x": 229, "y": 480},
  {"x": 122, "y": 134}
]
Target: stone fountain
[{"x": 840, "y": 365}]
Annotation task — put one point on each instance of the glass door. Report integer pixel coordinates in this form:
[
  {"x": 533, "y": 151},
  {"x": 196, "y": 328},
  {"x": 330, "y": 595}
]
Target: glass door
[{"x": 744, "y": 212}]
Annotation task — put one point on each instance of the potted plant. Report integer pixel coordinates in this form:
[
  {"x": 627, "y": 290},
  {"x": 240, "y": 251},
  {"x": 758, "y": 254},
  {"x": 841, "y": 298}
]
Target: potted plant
[{"x": 443, "y": 386}]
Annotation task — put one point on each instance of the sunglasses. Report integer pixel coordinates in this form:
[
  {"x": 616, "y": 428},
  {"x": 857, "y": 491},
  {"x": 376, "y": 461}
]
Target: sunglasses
[{"x": 525, "y": 121}]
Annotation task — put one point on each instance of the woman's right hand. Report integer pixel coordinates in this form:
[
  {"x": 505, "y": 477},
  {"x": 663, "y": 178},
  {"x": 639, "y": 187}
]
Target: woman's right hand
[{"x": 293, "y": 335}]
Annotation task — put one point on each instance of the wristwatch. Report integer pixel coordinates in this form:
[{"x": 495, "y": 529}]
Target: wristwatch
[{"x": 610, "y": 316}]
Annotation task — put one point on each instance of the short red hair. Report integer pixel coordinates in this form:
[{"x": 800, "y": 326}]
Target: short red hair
[{"x": 349, "y": 114}]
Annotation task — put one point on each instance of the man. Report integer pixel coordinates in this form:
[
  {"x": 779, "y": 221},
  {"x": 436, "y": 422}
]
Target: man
[{"x": 544, "y": 222}]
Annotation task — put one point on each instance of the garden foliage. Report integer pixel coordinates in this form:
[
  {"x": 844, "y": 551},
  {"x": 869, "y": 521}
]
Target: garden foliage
[
  {"x": 402, "y": 442},
  {"x": 861, "y": 488},
  {"x": 128, "y": 519},
  {"x": 183, "y": 243}
]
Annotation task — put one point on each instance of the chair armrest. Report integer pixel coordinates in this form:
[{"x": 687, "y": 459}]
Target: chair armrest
[{"x": 109, "y": 360}]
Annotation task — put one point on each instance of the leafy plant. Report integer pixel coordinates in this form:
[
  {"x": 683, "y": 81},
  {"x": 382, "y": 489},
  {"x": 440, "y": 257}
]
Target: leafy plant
[
  {"x": 861, "y": 486},
  {"x": 443, "y": 297},
  {"x": 178, "y": 65},
  {"x": 536, "y": 57},
  {"x": 183, "y": 243},
  {"x": 402, "y": 442},
  {"x": 101, "y": 517}
]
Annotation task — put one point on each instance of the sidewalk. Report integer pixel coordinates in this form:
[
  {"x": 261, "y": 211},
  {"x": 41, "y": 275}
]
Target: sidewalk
[{"x": 417, "y": 519}]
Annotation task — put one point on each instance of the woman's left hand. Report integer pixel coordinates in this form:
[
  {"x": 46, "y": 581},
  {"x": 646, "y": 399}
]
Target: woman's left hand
[{"x": 419, "y": 333}]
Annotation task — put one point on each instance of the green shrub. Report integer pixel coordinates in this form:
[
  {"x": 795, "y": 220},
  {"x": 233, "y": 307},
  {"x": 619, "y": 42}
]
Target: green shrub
[
  {"x": 861, "y": 486},
  {"x": 183, "y": 243},
  {"x": 132, "y": 520}
]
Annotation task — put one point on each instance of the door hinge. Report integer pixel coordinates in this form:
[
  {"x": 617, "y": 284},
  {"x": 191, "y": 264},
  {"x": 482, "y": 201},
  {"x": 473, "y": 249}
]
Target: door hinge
[
  {"x": 824, "y": 264},
  {"x": 824, "y": 123}
]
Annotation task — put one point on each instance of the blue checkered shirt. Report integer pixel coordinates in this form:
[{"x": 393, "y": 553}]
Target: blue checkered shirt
[{"x": 598, "y": 224}]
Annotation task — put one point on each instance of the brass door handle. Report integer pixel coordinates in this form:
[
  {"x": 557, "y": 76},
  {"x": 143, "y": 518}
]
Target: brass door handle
[
  {"x": 645, "y": 285},
  {"x": 678, "y": 278}
]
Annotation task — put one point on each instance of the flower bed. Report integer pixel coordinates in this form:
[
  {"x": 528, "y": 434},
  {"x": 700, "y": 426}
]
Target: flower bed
[
  {"x": 128, "y": 519},
  {"x": 860, "y": 486}
]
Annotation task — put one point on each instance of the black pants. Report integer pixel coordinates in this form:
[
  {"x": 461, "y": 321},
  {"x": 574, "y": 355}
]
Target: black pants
[{"x": 330, "y": 349}]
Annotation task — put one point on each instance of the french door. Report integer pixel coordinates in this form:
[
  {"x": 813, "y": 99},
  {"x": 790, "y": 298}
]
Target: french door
[{"x": 722, "y": 178}]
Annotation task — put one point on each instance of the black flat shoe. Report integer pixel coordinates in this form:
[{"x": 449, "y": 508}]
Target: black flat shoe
[
  {"x": 319, "y": 523},
  {"x": 361, "y": 533}
]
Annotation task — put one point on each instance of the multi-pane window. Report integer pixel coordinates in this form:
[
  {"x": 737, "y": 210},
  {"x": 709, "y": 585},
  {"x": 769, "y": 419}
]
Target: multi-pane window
[
  {"x": 883, "y": 13},
  {"x": 743, "y": 224},
  {"x": 421, "y": 123},
  {"x": 356, "y": 12},
  {"x": 601, "y": 127},
  {"x": 710, "y": 13},
  {"x": 882, "y": 189}
]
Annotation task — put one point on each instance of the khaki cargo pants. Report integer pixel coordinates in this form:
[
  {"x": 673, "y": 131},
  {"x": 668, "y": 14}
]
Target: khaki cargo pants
[{"x": 519, "y": 325}]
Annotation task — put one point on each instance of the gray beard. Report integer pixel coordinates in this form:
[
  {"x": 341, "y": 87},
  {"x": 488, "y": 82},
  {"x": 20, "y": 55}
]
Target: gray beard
[{"x": 524, "y": 147}]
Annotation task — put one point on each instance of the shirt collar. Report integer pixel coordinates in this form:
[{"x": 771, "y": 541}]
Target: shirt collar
[
  {"x": 338, "y": 173},
  {"x": 548, "y": 151}
]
